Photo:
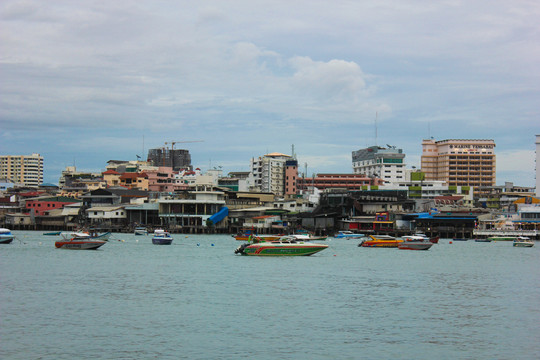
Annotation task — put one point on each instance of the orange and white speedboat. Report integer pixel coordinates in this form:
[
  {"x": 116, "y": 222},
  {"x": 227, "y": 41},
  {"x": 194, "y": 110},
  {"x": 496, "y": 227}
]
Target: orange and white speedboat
[{"x": 79, "y": 241}]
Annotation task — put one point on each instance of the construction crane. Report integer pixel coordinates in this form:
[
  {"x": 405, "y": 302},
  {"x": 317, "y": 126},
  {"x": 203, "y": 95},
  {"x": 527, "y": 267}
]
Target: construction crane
[{"x": 172, "y": 143}]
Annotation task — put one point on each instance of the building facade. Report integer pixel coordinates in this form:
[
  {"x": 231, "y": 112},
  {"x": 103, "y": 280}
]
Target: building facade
[
  {"x": 269, "y": 173},
  {"x": 460, "y": 162},
  {"x": 22, "y": 169},
  {"x": 177, "y": 159},
  {"x": 384, "y": 163}
]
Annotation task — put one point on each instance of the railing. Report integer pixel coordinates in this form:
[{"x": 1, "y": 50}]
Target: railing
[{"x": 506, "y": 232}]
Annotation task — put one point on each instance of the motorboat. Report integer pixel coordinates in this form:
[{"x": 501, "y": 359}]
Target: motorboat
[
  {"x": 86, "y": 234},
  {"x": 285, "y": 246},
  {"x": 482, "y": 240},
  {"x": 415, "y": 242},
  {"x": 249, "y": 235},
  {"x": 385, "y": 241},
  {"x": 434, "y": 240},
  {"x": 161, "y": 237},
  {"x": 523, "y": 241},
  {"x": 79, "y": 241},
  {"x": 141, "y": 230},
  {"x": 308, "y": 237},
  {"x": 6, "y": 237},
  {"x": 346, "y": 234}
]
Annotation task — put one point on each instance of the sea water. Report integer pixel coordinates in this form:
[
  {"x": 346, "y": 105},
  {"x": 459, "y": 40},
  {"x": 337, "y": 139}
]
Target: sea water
[{"x": 196, "y": 299}]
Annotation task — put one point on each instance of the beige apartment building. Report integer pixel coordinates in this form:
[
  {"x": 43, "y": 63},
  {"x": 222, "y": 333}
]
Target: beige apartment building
[
  {"x": 460, "y": 162},
  {"x": 22, "y": 169}
]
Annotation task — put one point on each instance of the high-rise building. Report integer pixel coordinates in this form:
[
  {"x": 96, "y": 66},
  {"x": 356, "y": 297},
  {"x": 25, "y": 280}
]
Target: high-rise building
[
  {"x": 384, "y": 163},
  {"x": 460, "y": 162},
  {"x": 177, "y": 159},
  {"x": 269, "y": 173},
  {"x": 22, "y": 169}
]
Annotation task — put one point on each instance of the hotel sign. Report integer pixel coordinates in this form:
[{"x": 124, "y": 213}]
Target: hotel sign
[{"x": 472, "y": 146}]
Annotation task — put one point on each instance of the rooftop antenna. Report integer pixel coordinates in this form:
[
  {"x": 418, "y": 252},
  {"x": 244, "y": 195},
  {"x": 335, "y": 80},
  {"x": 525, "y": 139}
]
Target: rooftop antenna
[
  {"x": 376, "y": 128},
  {"x": 293, "y": 154}
]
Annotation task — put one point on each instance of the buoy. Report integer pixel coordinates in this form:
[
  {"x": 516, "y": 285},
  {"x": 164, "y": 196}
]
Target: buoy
[
  {"x": 212, "y": 244},
  {"x": 198, "y": 244},
  {"x": 450, "y": 242}
]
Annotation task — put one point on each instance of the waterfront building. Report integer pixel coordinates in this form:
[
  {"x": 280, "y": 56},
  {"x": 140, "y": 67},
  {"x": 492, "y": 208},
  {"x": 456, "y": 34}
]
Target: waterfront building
[
  {"x": 22, "y": 169},
  {"x": 43, "y": 205},
  {"x": 459, "y": 162},
  {"x": 339, "y": 181},
  {"x": 70, "y": 176},
  {"x": 375, "y": 161},
  {"x": 418, "y": 187},
  {"x": 291, "y": 176},
  {"x": 269, "y": 173}
]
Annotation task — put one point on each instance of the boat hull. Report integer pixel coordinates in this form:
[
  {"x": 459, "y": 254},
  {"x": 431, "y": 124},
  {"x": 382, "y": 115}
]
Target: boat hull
[
  {"x": 79, "y": 245},
  {"x": 380, "y": 243},
  {"x": 6, "y": 239},
  {"x": 162, "y": 241},
  {"x": 269, "y": 249},
  {"x": 523, "y": 244},
  {"x": 407, "y": 245}
]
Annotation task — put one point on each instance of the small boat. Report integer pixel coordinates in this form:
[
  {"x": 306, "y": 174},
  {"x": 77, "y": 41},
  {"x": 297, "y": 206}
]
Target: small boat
[
  {"x": 502, "y": 238},
  {"x": 141, "y": 230},
  {"x": 79, "y": 241},
  {"x": 52, "y": 233},
  {"x": 92, "y": 235},
  {"x": 6, "y": 237},
  {"x": 415, "y": 242},
  {"x": 523, "y": 241},
  {"x": 434, "y": 240},
  {"x": 345, "y": 234},
  {"x": 285, "y": 246},
  {"x": 459, "y": 239},
  {"x": 308, "y": 237},
  {"x": 161, "y": 237},
  {"x": 482, "y": 240},
  {"x": 381, "y": 241},
  {"x": 249, "y": 234}
]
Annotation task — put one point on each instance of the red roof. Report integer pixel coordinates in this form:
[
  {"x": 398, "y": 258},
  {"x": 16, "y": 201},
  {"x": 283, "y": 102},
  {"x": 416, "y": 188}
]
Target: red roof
[{"x": 110, "y": 172}]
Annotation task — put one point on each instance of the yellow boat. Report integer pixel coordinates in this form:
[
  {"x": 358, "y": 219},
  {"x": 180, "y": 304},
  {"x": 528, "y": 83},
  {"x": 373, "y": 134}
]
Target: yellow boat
[{"x": 381, "y": 241}]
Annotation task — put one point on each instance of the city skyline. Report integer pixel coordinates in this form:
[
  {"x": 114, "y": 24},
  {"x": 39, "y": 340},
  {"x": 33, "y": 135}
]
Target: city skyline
[{"x": 87, "y": 82}]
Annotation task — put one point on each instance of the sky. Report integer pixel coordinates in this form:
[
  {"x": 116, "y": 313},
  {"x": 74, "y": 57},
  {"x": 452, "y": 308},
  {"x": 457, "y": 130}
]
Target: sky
[{"x": 85, "y": 82}]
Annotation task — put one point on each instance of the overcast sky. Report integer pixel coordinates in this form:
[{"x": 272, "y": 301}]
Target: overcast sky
[{"x": 84, "y": 82}]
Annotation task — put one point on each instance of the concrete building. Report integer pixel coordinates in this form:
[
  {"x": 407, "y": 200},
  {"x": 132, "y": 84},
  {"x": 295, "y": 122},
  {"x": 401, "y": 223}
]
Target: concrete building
[
  {"x": 339, "y": 181},
  {"x": 460, "y": 162},
  {"x": 375, "y": 161},
  {"x": 269, "y": 173},
  {"x": 175, "y": 158},
  {"x": 22, "y": 169}
]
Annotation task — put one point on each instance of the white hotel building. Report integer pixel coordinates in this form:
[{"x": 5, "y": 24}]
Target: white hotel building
[{"x": 384, "y": 163}]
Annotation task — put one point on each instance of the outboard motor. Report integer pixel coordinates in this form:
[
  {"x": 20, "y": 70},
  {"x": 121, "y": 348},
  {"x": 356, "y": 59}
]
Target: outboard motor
[{"x": 240, "y": 249}]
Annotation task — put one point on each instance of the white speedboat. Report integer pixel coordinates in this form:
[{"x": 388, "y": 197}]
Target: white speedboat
[
  {"x": 79, "y": 241},
  {"x": 523, "y": 241},
  {"x": 285, "y": 246},
  {"x": 161, "y": 237},
  {"x": 6, "y": 237},
  {"x": 141, "y": 230},
  {"x": 415, "y": 242}
]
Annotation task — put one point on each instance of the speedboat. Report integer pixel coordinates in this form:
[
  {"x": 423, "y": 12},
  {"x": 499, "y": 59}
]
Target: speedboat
[
  {"x": 285, "y": 246},
  {"x": 415, "y": 242},
  {"x": 345, "y": 234},
  {"x": 161, "y": 237},
  {"x": 6, "y": 237},
  {"x": 434, "y": 240},
  {"x": 523, "y": 241},
  {"x": 79, "y": 241},
  {"x": 380, "y": 241},
  {"x": 141, "y": 230}
]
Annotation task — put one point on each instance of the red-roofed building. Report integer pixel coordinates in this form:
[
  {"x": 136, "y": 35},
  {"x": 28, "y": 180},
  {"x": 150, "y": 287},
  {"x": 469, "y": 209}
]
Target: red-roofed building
[{"x": 111, "y": 177}]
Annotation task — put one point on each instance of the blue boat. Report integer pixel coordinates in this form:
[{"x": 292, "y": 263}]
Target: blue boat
[
  {"x": 6, "y": 237},
  {"x": 161, "y": 237},
  {"x": 348, "y": 235}
]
